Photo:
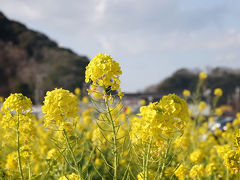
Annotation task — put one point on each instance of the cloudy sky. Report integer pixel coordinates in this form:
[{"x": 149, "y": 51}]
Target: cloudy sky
[{"x": 149, "y": 38}]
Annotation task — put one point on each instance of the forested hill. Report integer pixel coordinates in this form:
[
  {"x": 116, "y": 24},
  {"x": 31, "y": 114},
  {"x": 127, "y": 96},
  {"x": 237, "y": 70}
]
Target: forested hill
[
  {"x": 32, "y": 63},
  {"x": 220, "y": 77}
]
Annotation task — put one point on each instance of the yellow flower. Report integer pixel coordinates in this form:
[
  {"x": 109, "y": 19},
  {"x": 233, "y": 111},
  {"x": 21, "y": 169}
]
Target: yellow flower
[
  {"x": 202, "y": 75},
  {"x": 142, "y": 102},
  {"x": 222, "y": 150},
  {"x": 98, "y": 162},
  {"x": 166, "y": 118},
  {"x": 237, "y": 138},
  {"x": 197, "y": 171},
  {"x": 52, "y": 154},
  {"x": 103, "y": 71},
  {"x": 218, "y": 111},
  {"x": 211, "y": 119},
  {"x": 218, "y": 92},
  {"x": 151, "y": 176},
  {"x": 181, "y": 142},
  {"x": 202, "y": 105},
  {"x": 186, "y": 93},
  {"x": 72, "y": 176},
  {"x": 211, "y": 168},
  {"x": 85, "y": 100},
  {"x": 217, "y": 132},
  {"x": 196, "y": 156},
  {"x": 12, "y": 163},
  {"x": 169, "y": 171},
  {"x": 87, "y": 120},
  {"x": 1, "y": 99},
  {"x": 120, "y": 94},
  {"x": 16, "y": 108},
  {"x": 232, "y": 161},
  {"x": 123, "y": 162},
  {"x": 97, "y": 95},
  {"x": 17, "y": 103},
  {"x": 182, "y": 172},
  {"x": 238, "y": 115},
  {"x": 59, "y": 105},
  {"x": 77, "y": 91},
  {"x": 69, "y": 129},
  {"x": 128, "y": 110}
]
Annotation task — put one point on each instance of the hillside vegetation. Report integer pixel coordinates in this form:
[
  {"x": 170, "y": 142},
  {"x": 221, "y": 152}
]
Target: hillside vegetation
[
  {"x": 32, "y": 63},
  {"x": 225, "y": 78}
]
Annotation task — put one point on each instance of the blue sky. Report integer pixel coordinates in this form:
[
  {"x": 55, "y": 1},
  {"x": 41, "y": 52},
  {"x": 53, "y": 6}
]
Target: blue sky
[{"x": 149, "y": 38}]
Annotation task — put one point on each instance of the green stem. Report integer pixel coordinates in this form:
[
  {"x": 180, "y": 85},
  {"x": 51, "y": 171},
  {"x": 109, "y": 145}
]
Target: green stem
[
  {"x": 144, "y": 175},
  {"x": 29, "y": 172},
  {"x": 215, "y": 101},
  {"x": 115, "y": 150},
  {"x": 71, "y": 151},
  {"x": 227, "y": 174},
  {"x": 162, "y": 170},
  {"x": 198, "y": 90},
  {"x": 147, "y": 158},
  {"x": 18, "y": 150},
  {"x": 197, "y": 97},
  {"x": 165, "y": 159}
]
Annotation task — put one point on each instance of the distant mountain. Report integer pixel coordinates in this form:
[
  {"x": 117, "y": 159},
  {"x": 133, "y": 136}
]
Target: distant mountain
[
  {"x": 32, "y": 63},
  {"x": 220, "y": 77}
]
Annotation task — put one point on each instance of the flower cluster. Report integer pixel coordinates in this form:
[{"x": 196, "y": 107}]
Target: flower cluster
[
  {"x": 182, "y": 172},
  {"x": 163, "y": 119},
  {"x": 16, "y": 107},
  {"x": 59, "y": 105},
  {"x": 70, "y": 177},
  {"x": 103, "y": 72},
  {"x": 232, "y": 161},
  {"x": 111, "y": 142},
  {"x": 197, "y": 171}
]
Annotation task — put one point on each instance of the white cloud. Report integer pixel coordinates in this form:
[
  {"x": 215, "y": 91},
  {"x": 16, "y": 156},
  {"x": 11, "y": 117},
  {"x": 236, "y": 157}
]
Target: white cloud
[
  {"x": 100, "y": 9},
  {"x": 139, "y": 31},
  {"x": 229, "y": 57},
  {"x": 21, "y": 10}
]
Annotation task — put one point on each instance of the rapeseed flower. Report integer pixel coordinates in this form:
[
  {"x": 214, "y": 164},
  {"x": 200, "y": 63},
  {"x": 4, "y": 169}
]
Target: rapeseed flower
[
  {"x": 196, "y": 156},
  {"x": 59, "y": 105},
  {"x": 12, "y": 161},
  {"x": 85, "y": 100},
  {"x": 77, "y": 91},
  {"x": 197, "y": 171},
  {"x": 72, "y": 176},
  {"x": 218, "y": 92},
  {"x": 16, "y": 107},
  {"x": 202, "y": 75},
  {"x": 202, "y": 105},
  {"x": 182, "y": 172},
  {"x": 169, "y": 171},
  {"x": 142, "y": 102},
  {"x": 218, "y": 111},
  {"x": 237, "y": 138},
  {"x": 103, "y": 71},
  {"x": 164, "y": 119},
  {"x": 151, "y": 176},
  {"x": 232, "y": 161},
  {"x": 186, "y": 93},
  {"x": 211, "y": 169}
]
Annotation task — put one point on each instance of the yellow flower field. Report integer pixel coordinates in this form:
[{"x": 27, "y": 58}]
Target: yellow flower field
[{"x": 98, "y": 140}]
